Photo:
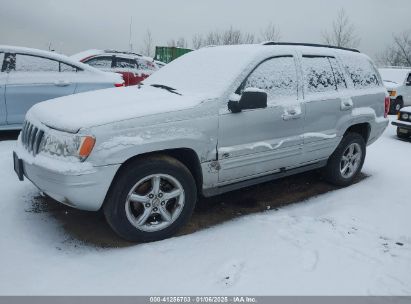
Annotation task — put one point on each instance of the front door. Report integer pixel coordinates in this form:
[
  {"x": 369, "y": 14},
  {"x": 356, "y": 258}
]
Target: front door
[
  {"x": 33, "y": 79},
  {"x": 258, "y": 142}
]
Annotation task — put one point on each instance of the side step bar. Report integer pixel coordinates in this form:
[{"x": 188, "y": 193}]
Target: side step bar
[{"x": 251, "y": 182}]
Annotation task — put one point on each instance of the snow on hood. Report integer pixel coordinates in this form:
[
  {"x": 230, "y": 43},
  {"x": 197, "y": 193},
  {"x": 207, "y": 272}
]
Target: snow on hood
[
  {"x": 74, "y": 112},
  {"x": 391, "y": 84},
  {"x": 394, "y": 77}
]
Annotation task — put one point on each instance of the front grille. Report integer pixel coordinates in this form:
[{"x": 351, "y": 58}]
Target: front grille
[{"x": 31, "y": 137}]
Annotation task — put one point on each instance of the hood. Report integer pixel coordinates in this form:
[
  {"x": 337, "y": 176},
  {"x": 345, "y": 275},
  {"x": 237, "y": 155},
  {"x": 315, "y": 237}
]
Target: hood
[
  {"x": 390, "y": 85},
  {"x": 74, "y": 112}
]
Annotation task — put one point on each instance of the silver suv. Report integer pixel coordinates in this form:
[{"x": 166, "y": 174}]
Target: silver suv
[{"x": 214, "y": 120}]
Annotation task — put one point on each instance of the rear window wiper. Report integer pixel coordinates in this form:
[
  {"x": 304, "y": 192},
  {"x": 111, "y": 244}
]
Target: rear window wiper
[{"x": 164, "y": 87}]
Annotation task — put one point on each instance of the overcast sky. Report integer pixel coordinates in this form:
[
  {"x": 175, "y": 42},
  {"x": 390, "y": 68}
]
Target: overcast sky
[{"x": 76, "y": 25}]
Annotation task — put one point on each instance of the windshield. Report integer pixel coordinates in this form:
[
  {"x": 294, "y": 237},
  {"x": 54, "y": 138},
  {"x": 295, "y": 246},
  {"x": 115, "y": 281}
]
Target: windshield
[
  {"x": 394, "y": 75},
  {"x": 207, "y": 72}
]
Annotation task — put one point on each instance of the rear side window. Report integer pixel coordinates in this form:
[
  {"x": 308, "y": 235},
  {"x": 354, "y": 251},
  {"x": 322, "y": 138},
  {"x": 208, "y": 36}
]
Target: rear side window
[
  {"x": 276, "y": 76},
  {"x": 102, "y": 63},
  {"x": 68, "y": 68},
  {"x": 338, "y": 74},
  {"x": 125, "y": 64},
  {"x": 145, "y": 64},
  {"x": 29, "y": 63},
  {"x": 361, "y": 72},
  {"x": 318, "y": 75}
]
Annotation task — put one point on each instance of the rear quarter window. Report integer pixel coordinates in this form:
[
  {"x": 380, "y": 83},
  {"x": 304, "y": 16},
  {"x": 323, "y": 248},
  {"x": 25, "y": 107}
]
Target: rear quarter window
[{"x": 361, "y": 72}]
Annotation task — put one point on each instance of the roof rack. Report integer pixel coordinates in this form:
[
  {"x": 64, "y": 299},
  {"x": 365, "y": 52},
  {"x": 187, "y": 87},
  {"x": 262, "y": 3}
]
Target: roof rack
[
  {"x": 395, "y": 67},
  {"x": 310, "y": 44},
  {"x": 122, "y": 52}
]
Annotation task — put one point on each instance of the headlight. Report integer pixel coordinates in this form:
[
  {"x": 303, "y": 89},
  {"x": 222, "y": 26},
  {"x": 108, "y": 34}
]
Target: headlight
[
  {"x": 392, "y": 93},
  {"x": 68, "y": 145},
  {"x": 405, "y": 116}
]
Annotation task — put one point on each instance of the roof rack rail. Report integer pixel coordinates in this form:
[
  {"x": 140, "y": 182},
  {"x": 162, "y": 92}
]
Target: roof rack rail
[
  {"x": 397, "y": 67},
  {"x": 311, "y": 44},
  {"x": 122, "y": 52}
]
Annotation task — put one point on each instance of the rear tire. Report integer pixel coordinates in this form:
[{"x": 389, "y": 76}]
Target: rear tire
[
  {"x": 150, "y": 199},
  {"x": 345, "y": 164}
]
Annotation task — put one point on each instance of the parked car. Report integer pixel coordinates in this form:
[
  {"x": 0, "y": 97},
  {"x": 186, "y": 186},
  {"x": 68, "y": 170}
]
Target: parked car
[
  {"x": 134, "y": 67},
  {"x": 29, "y": 76},
  {"x": 398, "y": 83},
  {"x": 204, "y": 126},
  {"x": 403, "y": 123}
]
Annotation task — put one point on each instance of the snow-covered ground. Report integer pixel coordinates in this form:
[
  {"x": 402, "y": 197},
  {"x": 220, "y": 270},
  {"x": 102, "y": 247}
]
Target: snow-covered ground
[{"x": 352, "y": 241}]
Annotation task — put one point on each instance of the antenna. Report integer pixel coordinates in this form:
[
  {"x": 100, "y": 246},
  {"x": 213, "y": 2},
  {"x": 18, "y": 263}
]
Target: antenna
[{"x": 131, "y": 33}]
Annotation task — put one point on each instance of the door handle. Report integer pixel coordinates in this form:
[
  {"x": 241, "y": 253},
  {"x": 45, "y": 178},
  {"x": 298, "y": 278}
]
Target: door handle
[
  {"x": 61, "y": 83},
  {"x": 346, "y": 104},
  {"x": 292, "y": 114}
]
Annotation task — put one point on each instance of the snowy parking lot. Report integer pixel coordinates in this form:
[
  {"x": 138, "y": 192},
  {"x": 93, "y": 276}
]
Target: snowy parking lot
[{"x": 326, "y": 241}]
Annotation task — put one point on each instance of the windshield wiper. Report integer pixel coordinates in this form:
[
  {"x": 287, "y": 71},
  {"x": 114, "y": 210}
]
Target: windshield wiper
[{"x": 167, "y": 88}]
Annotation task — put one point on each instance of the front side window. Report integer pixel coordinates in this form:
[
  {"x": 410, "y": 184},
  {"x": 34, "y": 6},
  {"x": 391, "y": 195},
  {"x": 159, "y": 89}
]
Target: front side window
[
  {"x": 276, "y": 76},
  {"x": 361, "y": 72},
  {"x": 102, "y": 63},
  {"x": 29, "y": 63},
  {"x": 318, "y": 75}
]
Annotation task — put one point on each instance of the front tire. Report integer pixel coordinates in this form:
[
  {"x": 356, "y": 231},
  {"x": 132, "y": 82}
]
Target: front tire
[
  {"x": 151, "y": 199},
  {"x": 345, "y": 164}
]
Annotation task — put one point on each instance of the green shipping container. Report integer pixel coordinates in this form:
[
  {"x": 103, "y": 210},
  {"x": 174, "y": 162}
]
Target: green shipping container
[{"x": 167, "y": 54}]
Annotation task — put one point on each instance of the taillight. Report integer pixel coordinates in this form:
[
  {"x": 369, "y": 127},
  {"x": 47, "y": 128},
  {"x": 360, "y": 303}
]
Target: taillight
[
  {"x": 387, "y": 106},
  {"x": 119, "y": 85}
]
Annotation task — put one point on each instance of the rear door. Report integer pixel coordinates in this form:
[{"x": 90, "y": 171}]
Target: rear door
[
  {"x": 33, "y": 79},
  {"x": 325, "y": 105},
  {"x": 259, "y": 142},
  {"x": 3, "y": 80},
  {"x": 126, "y": 67}
]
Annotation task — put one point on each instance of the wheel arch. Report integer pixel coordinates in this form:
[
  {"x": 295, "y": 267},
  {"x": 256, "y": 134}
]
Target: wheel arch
[
  {"x": 186, "y": 156},
  {"x": 364, "y": 129}
]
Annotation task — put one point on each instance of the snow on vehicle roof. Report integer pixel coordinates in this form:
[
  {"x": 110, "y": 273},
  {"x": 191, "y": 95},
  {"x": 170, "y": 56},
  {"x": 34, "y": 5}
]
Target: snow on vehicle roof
[
  {"x": 47, "y": 54},
  {"x": 397, "y": 75},
  {"x": 209, "y": 71}
]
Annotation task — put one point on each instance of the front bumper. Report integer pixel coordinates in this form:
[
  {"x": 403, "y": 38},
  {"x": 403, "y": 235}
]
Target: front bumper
[
  {"x": 82, "y": 190},
  {"x": 402, "y": 124}
]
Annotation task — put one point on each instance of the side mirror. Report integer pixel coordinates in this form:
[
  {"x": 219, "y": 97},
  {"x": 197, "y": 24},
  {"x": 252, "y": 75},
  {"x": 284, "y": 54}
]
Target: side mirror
[{"x": 251, "y": 98}]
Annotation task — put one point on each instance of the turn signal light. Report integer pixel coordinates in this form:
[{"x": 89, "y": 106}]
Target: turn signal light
[{"x": 86, "y": 146}]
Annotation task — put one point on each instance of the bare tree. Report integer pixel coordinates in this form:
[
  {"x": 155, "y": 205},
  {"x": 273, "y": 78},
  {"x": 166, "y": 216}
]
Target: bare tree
[
  {"x": 148, "y": 44},
  {"x": 399, "y": 52},
  {"x": 342, "y": 33},
  {"x": 270, "y": 33},
  {"x": 180, "y": 42},
  {"x": 197, "y": 41},
  {"x": 229, "y": 36}
]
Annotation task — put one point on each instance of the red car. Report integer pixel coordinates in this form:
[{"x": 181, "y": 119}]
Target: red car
[{"x": 134, "y": 67}]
